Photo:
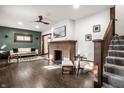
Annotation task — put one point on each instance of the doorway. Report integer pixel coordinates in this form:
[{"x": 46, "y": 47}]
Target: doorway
[{"x": 45, "y": 44}]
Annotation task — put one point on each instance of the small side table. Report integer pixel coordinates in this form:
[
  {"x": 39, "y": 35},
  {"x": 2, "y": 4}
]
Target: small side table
[
  {"x": 67, "y": 66},
  {"x": 16, "y": 56}
]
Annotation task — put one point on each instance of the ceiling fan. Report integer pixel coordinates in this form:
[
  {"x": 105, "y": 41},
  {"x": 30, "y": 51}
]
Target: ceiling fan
[{"x": 41, "y": 20}]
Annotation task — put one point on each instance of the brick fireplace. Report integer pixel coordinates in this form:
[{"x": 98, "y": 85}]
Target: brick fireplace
[{"x": 58, "y": 50}]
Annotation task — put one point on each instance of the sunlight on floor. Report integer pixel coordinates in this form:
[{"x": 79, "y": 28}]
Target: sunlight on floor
[
  {"x": 52, "y": 67},
  {"x": 24, "y": 73}
]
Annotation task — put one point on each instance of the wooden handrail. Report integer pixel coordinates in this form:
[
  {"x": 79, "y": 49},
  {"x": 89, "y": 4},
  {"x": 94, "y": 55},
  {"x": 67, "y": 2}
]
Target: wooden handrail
[
  {"x": 107, "y": 38},
  {"x": 100, "y": 52},
  {"x": 108, "y": 29}
]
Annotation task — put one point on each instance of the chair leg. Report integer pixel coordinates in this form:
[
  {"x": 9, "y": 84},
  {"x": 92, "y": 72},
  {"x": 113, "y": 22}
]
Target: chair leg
[
  {"x": 8, "y": 60},
  {"x": 77, "y": 72},
  {"x": 62, "y": 70},
  {"x": 73, "y": 70}
]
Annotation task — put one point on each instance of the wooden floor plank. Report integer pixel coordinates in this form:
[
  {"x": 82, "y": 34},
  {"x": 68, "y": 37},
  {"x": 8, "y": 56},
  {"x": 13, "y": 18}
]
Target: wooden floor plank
[{"x": 39, "y": 74}]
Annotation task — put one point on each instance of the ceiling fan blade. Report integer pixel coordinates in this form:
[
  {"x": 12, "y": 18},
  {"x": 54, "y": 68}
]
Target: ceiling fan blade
[
  {"x": 45, "y": 22},
  {"x": 36, "y": 21},
  {"x": 41, "y": 20},
  {"x": 48, "y": 19}
]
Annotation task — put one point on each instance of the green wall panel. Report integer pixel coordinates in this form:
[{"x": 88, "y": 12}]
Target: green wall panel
[{"x": 10, "y": 40}]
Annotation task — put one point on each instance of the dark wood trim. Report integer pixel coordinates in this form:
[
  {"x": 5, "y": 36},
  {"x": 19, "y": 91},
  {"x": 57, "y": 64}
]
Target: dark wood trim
[
  {"x": 43, "y": 44},
  {"x": 112, "y": 16},
  {"x": 19, "y": 41},
  {"x": 46, "y": 34},
  {"x": 101, "y": 48},
  {"x": 63, "y": 41},
  {"x": 98, "y": 60},
  {"x": 97, "y": 40}
]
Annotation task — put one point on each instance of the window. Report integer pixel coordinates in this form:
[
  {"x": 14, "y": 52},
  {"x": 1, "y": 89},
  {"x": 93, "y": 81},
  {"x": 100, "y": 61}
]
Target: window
[{"x": 22, "y": 37}]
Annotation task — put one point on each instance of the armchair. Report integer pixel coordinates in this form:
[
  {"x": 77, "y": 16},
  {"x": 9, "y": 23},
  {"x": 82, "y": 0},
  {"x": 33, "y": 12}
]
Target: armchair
[{"x": 82, "y": 63}]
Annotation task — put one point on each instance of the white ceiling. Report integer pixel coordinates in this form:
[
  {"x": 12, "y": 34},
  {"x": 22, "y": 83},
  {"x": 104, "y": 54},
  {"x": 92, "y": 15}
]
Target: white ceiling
[{"x": 11, "y": 14}]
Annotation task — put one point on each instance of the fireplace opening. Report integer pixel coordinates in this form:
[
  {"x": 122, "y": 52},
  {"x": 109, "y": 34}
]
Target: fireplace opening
[{"x": 58, "y": 56}]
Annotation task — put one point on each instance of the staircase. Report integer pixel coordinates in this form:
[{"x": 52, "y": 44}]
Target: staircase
[{"x": 113, "y": 75}]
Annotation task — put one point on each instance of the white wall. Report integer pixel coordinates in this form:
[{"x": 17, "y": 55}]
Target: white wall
[
  {"x": 119, "y": 27},
  {"x": 46, "y": 32},
  {"x": 85, "y": 26},
  {"x": 69, "y": 29},
  {"x": 76, "y": 30}
]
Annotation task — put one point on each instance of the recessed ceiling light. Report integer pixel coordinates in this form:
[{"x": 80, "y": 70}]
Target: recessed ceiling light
[
  {"x": 20, "y": 23},
  {"x": 76, "y": 6},
  {"x": 37, "y": 26}
]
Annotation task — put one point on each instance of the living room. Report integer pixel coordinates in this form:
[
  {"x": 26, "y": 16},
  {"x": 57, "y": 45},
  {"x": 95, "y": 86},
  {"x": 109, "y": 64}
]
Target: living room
[{"x": 44, "y": 46}]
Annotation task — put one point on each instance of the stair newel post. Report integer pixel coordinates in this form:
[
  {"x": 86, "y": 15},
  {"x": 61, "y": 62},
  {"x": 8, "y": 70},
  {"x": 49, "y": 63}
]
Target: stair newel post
[{"x": 98, "y": 63}]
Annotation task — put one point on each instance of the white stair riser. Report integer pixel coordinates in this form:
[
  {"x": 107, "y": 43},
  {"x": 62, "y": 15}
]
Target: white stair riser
[
  {"x": 114, "y": 81},
  {"x": 115, "y": 61},
  {"x": 118, "y": 38},
  {"x": 116, "y": 47},
  {"x": 117, "y": 42},
  {"x": 114, "y": 70},
  {"x": 116, "y": 54}
]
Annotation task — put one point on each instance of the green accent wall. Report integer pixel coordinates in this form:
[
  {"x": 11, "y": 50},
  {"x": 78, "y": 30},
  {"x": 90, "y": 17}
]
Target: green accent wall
[{"x": 10, "y": 40}]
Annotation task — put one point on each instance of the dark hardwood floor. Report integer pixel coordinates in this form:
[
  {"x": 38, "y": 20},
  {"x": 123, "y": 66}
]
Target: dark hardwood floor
[{"x": 39, "y": 74}]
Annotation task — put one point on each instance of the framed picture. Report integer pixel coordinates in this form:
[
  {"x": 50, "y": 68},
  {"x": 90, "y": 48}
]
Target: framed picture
[
  {"x": 88, "y": 37},
  {"x": 59, "y": 32},
  {"x": 96, "y": 28}
]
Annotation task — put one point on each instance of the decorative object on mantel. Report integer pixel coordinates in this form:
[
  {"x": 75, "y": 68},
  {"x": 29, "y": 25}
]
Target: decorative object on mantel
[
  {"x": 96, "y": 28},
  {"x": 78, "y": 52},
  {"x": 88, "y": 37},
  {"x": 49, "y": 39},
  {"x": 59, "y": 32}
]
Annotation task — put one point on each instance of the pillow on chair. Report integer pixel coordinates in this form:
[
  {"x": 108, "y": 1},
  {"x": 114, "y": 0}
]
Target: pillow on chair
[
  {"x": 89, "y": 66},
  {"x": 33, "y": 49}
]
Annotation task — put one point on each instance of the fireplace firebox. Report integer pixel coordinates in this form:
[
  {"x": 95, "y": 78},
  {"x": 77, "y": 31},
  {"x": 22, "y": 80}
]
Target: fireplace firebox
[{"x": 58, "y": 56}]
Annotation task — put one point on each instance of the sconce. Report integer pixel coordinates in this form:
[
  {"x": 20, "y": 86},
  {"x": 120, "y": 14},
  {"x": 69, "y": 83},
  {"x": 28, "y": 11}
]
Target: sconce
[
  {"x": 36, "y": 38},
  {"x": 6, "y": 36}
]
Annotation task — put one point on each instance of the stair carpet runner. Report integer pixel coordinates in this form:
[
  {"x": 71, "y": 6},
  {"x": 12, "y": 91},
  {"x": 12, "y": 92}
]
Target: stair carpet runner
[{"x": 113, "y": 75}]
